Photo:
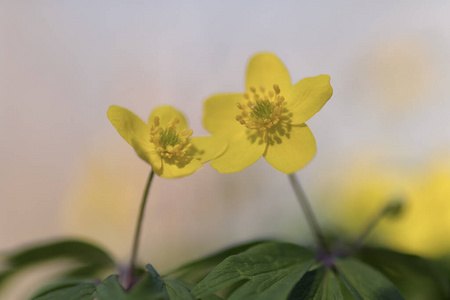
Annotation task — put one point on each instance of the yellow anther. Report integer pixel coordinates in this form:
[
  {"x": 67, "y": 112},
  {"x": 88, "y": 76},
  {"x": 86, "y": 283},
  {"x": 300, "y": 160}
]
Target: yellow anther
[
  {"x": 276, "y": 88},
  {"x": 156, "y": 121}
]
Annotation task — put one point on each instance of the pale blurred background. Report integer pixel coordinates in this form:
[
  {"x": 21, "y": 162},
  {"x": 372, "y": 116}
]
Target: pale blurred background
[{"x": 64, "y": 170}]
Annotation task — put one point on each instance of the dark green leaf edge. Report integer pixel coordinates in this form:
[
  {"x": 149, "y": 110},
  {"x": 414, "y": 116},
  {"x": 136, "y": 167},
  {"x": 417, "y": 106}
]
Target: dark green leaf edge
[
  {"x": 81, "y": 251},
  {"x": 75, "y": 249}
]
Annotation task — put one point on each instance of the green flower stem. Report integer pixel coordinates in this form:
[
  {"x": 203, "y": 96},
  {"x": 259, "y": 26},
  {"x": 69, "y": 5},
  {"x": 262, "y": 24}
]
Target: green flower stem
[
  {"x": 392, "y": 208},
  {"x": 130, "y": 272},
  {"x": 309, "y": 214}
]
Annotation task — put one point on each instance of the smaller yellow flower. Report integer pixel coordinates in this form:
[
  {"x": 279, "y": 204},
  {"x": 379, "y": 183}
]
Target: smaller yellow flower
[
  {"x": 268, "y": 119},
  {"x": 165, "y": 142}
]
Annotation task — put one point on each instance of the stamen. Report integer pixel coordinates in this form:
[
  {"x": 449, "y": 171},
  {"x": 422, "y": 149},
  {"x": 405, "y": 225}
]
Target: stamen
[
  {"x": 170, "y": 143},
  {"x": 263, "y": 109}
]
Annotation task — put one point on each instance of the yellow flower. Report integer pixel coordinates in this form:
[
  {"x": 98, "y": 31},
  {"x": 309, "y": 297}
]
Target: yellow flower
[
  {"x": 268, "y": 119},
  {"x": 165, "y": 142},
  {"x": 422, "y": 228}
]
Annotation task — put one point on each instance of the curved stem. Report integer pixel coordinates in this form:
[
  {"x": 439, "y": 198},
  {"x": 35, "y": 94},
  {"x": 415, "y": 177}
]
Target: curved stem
[
  {"x": 130, "y": 272},
  {"x": 309, "y": 214}
]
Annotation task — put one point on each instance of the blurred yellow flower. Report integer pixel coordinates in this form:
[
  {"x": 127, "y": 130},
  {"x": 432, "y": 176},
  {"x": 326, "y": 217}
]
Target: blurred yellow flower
[
  {"x": 97, "y": 205},
  {"x": 268, "y": 119},
  {"x": 165, "y": 142},
  {"x": 424, "y": 226}
]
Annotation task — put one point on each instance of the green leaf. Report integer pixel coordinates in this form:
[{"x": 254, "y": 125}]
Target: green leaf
[
  {"x": 212, "y": 297},
  {"x": 177, "y": 290},
  {"x": 443, "y": 266},
  {"x": 197, "y": 270},
  {"x": 110, "y": 289},
  {"x": 270, "y": 270},
  {"x": 415, "y": 277},
  {"x": 74, "y": 249},
  {"x": 80, "y": 251},
  {"x": 5, "y": 275},
  {"x": 150, "y": 287},
  {"x": 58, "y": 285},
  {"x": 319, "y": 284},
  {"x": 364, "y": 282},
  {"x": 83, "y": 291}
]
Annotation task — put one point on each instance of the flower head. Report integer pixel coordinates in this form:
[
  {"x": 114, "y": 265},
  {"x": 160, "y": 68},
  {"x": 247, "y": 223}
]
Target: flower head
[
  {"x": 268, "y": 119},
  {"x": 165, "y": 142}
]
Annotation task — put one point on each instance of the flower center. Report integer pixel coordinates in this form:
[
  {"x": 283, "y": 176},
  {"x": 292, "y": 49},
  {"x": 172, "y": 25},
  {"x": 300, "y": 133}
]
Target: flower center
[
  {"x": 263, "y": 110},
  {"x": 168, "y": 142}
]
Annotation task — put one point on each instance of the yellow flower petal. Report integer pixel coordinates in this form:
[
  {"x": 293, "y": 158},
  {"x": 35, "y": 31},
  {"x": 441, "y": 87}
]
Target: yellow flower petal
[
  {"x": 294, "y": 151},
  {"x": 147, "y": 152},
  {"x": 241, "y": 153},
  {"x": 129, "y": 126},
  {"x": 135, "y": 132},
  {"x": 220, "y": 112},
  {"x": 171, "y": 169},
  {"x": 266, "y": 69},
  {"x": 307, "y": 97},
  {"x": 205, "y": 148},
  {"x": 166, "y": 114}
]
